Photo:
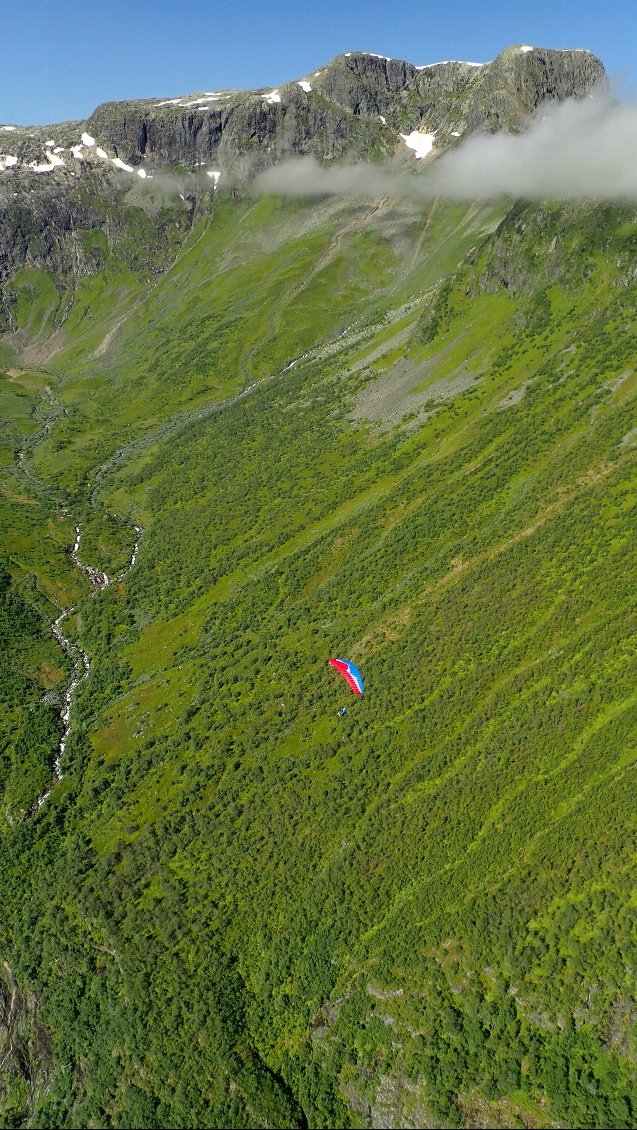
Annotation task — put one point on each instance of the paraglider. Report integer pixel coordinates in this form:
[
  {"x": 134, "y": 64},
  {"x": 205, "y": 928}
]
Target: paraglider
[{"x": 350, "y": 673}]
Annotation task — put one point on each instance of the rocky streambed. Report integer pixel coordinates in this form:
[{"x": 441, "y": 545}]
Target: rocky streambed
[{"x": 81, "y": 660}]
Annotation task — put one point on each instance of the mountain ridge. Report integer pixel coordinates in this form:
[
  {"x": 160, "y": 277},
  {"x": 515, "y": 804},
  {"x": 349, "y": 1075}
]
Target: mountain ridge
[
  {"x": 394, "y": 430},
  {"x": 73, "y": 191},
  {"x": 250, "y": 129}
]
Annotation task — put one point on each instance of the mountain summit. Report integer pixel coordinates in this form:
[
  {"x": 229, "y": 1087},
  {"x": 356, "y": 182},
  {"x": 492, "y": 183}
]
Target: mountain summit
[
  {"x": 358, "y": 105},
  {"x": 60, "y": 181}
]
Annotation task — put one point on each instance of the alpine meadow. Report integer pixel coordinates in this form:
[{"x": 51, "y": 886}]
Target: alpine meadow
[{"x": 270, "y": 394}]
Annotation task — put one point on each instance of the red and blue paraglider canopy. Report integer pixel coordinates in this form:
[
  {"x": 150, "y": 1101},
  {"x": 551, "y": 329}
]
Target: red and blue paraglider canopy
[{"x": 350, "y": 673}]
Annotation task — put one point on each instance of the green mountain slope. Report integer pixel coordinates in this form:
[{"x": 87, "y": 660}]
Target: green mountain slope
[{"x": 405, "y": 436}]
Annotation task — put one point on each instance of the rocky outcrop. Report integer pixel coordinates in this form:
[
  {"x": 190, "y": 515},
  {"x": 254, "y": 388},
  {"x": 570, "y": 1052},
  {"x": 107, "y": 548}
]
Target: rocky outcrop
[
  {"x": 73, "y": 228},
  {"x": 357, "y": 106},
  {"x": 339, "y": 109},
  {"x": 44, "y": 225},
  {"x": 25, "y": 1051},
  {"x": 242, "y": 133},
  {"x": 503, "y": 93}
]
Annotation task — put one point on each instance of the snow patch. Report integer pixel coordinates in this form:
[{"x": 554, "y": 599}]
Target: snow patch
[
  {"x": 421, "y": 143},
  {"x": 142, "y": 173},
  {"x": 52, "y": 162},
  {"x": 8, "y": 127},
  {"x": 76, "y": 150},
  {"x": 525, "y": 48},
  {"x": 273, "y": 96},
  {"x": 102, "y": 153},
  {"x": 445, "y": 63},
  {"x": 200, "y": 101},
  {"x": 383, "y": 120},
  {"x": 454, "y": 133},
  {"x": 214, "y": 174},
  {"x": 7, "y": 161},
  {"x": 87, "y": 139},
  {"x": 304, "y": 86},
  {"x": 119, "y": 164}
]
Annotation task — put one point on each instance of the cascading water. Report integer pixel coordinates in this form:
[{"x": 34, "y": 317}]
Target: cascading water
[{"x": 82, "y": 663}]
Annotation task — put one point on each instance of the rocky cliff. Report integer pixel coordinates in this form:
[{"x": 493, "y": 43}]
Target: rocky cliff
[
  {"x": 60, "y": 184},
  {"x": 359, "y": 105}
]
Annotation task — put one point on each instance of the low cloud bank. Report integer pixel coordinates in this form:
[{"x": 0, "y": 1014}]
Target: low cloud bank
[{"x": 582, "y": 149}]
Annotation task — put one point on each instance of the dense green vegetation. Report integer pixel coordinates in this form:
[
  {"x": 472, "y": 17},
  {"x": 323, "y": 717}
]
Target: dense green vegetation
[
  {"x": 35, "y": 579},
  {"x": 237, "y": 908}
]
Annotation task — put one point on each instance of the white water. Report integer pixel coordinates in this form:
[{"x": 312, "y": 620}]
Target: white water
[{"x": 82, "y": 663}]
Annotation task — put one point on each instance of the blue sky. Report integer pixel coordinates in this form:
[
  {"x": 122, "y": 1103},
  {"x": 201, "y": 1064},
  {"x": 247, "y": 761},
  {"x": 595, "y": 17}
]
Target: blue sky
[{"x": 61, "y": 58}]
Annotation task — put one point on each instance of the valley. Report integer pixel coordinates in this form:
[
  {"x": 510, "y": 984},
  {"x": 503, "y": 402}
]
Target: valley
[{"x": 398, "y": 431}]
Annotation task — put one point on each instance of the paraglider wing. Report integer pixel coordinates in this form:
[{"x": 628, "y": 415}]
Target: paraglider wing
[{"x": 350, "y": 673}]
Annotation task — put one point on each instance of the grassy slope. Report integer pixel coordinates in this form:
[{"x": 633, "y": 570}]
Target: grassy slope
[{"x": 424, "y": 908}]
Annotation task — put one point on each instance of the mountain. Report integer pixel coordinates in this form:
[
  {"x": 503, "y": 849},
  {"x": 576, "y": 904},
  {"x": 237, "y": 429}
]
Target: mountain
[
  {"x": 61, "y": 184},
  {"x": 358, "y": 104},
  {"x": 278, "y": 431}
]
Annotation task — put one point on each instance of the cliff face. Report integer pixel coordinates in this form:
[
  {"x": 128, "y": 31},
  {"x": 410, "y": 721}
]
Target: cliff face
[
  {"x": 518, "y": 81},
  {"x": 342, "y": 111},
  {"x": 494, "y": 95},
  {"x": 25, "y": 1049},
  {"x": 42, "y": 225},
  {"x": 62, "y": 184},
  {"x": 358, "y": 105},
  {"x": 70, "y": 229},
  {"x": 243, "y": 132}
]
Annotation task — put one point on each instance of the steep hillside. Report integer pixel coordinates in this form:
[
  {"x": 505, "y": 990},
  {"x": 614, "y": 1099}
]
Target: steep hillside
[
  {"x": 77, "y": 194},
  {"x": 400, "y": 433}
]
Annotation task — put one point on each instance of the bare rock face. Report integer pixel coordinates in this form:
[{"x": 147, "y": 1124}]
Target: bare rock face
[
  {"x": 62, "y": 184},
  {"x": 25, "y": 1050},
  {"x": 356, "y": 107},
  {"x": 42, "y": 224},
  {"x": 519, "y": 80},
  {"x": 243, "y": 132},
  {"x": 342, "y": 112}
]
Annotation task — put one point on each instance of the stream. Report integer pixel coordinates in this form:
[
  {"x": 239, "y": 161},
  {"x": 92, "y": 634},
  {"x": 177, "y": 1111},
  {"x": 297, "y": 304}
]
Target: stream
[{"x": 82, "y": 663}]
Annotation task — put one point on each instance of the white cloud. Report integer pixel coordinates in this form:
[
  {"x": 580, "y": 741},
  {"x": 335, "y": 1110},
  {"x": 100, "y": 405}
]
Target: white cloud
[{"x": 581, "y": 149}]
